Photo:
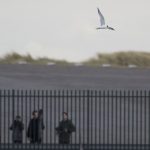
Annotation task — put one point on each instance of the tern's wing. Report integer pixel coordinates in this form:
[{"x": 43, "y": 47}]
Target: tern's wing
[
  {"x": 102, "y": 19},
  {"x": 111, "y": 28}
]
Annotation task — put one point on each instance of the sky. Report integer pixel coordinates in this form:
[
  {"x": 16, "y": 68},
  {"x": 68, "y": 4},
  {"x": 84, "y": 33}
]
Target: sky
[{"x": 66, "y": 29}]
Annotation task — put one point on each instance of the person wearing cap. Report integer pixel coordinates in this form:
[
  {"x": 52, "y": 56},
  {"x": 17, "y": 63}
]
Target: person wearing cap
[
  {"x": 17, "y": 128},
  {"x": 65, "y": 129}
]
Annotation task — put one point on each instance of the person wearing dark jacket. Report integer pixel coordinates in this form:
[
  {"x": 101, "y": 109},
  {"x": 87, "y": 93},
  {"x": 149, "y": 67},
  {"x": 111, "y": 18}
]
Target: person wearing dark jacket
[
  {"x": 65, "y": 129},
  {"x": 32, "y": 132},
  {"x": 36, "y": 127},
  {"x": 17, "y": 128},
  {"x": 40, "y": 126}
]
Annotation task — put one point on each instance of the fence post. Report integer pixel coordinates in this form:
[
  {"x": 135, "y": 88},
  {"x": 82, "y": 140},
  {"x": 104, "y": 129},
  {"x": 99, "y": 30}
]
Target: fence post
[
  {"x": 0, "y": 116},
  {"x": 88, "y": 115},
  {"x": 149, "y": 118},
  {"x": 13, "y": 103},
  {"x": 13, "y": 107}
]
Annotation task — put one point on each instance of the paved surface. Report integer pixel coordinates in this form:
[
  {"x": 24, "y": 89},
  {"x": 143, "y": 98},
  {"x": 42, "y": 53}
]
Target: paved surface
[{"x": 65, "y": 77}]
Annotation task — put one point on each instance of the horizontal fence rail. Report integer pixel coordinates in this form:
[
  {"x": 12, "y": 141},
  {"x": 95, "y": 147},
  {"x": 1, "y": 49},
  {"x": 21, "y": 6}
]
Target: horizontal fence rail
[{"x": 102, "y": 119}]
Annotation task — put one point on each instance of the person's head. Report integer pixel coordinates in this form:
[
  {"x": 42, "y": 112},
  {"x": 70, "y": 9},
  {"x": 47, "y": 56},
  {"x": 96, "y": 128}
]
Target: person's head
[
  {"x": 40, "y": 112},
  {"x": 18, "y": 118},
  {"x": 65, "y": 115},
  {"x": 35, "y": 114}
]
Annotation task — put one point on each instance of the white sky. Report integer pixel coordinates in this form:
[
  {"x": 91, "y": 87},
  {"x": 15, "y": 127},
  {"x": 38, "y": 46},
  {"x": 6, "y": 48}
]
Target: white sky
[{"x": 66, "y": 29}]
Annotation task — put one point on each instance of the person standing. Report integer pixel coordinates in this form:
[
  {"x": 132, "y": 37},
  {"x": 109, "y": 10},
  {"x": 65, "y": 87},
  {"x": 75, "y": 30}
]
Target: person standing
[
  {"x": 65, "y": 129},
  {"x": 17, "y": 129},
  {"x": 41, "y": 126},
  {"x": 32, "y": 132}
]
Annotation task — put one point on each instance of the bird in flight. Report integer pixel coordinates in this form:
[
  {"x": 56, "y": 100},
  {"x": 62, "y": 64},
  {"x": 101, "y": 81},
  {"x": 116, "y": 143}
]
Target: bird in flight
[{"x": 102, "y": 22}]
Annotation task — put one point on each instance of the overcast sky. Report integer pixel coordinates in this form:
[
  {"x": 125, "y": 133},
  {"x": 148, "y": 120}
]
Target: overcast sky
[{"x": 66, "y": 29}]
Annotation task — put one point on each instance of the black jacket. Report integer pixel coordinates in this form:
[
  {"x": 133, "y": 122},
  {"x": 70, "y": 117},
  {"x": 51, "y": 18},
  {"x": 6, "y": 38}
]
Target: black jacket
[
  {"x": 17, "y": 128},
  {"x": 32, "y": 132},
  {"x": 35, "y": 129},
  {"x": 64, "y": 130}
]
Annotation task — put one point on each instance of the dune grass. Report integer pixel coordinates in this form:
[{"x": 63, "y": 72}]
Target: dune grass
[
  {"x": 15, "y": 58},
  {"x": 121, "y": 59},
  {"x": 117, "y": 59}
]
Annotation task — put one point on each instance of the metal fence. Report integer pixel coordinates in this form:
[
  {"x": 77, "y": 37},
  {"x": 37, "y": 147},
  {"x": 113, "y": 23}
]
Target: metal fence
[{"x": 103, "y": 119}]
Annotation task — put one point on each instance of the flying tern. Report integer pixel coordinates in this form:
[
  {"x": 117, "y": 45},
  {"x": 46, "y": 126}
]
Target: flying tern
[{"x": 102, "y": 22}]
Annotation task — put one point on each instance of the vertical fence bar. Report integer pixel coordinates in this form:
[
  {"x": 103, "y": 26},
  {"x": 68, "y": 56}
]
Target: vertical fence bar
[
  {"x": 149, "y": 118},
  {"x": 104, "y": 97},
  {"x": 124, "y": 100},
  {"x": 99, "y": 96},
  {"x": 63, "y": 100},
  {"x": 66, "y": 102},
  {"x": 75, "y": 96},
  {"x": 91, "y": 118},
  {"x": 13, "y": 105},
  {"x": 43, "y": 121},
  {"x": 51, "y": 116},
  {"x": 0, "y": 117},
  {"x": 137, "y": 120},
  {"x": 128, "y": 119},
  {"x": 26, "y": 128},
  {"x": 80, "y": 142},
  {"x": 145, "y": 119},
  {"x": 54, "y": 116},
  {"x": 96, "y": 118},
  {"x": 4, "y": 117},
  {"x": 141, "y": 140},
  {"x": 32, "y": 111},
  {"x": 59, "y": 100},
  {"x": 108, "y": 117},
  {"x": 132, "y": 96},
  {"x": 88, "y": 128},
  {"x": 71, "y": 112},
  {"x": 22, "y": 118},
  {"x": 8, "y": 118},
  {"x": 34, "y": 100},
  {"x": 17, "y": 96},
  {"x": 84, "y": 137},
  {"x": 47, "y": 112},
  {"x": 38, "y": 99},
  {"x": 112, "y": 114},
  {"x": 17, "y": 105},
  {"x": 116, "y": 95},
  {"x": 120, "y": 119},
  {"x": 29, "y": 99},
  {"x": 39, "y": 106}
]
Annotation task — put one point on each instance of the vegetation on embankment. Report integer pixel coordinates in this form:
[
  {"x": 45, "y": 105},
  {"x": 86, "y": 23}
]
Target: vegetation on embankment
[
  {"x": 15, "y": 58},
  {"x": 121, "y": 59},
  {"x": 117, "y": 59}
]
